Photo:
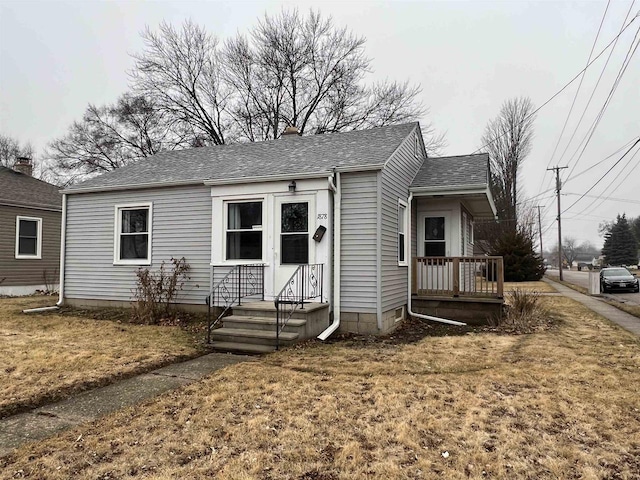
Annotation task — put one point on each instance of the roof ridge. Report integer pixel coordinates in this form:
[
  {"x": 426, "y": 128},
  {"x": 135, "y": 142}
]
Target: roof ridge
[{"x": 457, "y": 156}]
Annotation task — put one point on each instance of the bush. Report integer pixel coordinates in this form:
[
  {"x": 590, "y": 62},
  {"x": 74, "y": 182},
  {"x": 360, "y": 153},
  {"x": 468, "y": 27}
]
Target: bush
[
  {"x": 523, "y": 311},
  {"x": 155, "y": 292},
  {"x": 521, "y": 262}
]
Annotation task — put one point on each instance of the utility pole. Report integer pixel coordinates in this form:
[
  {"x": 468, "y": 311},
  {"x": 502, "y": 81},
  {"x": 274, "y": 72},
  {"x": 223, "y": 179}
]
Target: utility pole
[
  {"x": 540, "y": 232},
  {"x": 558, "y": 188}
]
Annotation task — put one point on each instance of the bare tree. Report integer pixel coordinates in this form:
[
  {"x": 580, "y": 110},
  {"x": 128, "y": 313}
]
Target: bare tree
[
  {"x": 10, "y": 150},
  {"x": 109, "y": 137},
  {"x": 181, "y": 72},
  {"x": 288, "y": 70},
  {"x": 508, "y": 139}
]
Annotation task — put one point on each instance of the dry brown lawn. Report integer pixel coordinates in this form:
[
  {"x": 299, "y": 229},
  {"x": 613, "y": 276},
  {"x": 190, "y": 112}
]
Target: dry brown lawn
[
  {"x": 45, "y": 357},
  {"x": 558, "y": 404},
  {"x": 540, "y": 287}
]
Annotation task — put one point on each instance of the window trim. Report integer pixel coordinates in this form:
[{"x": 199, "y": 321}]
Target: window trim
[
  {"x": 405, "y": 205},
  {"x": 225, "y": 229},
  {"x": 117, "y": 230},
  {"x": 424, "y": 241},
  {"x": 22, "y": 256}
]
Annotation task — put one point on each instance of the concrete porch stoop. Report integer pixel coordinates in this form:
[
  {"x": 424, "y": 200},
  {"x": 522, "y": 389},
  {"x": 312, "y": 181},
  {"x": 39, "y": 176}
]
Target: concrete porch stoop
[{"x": 251, "y": 328}]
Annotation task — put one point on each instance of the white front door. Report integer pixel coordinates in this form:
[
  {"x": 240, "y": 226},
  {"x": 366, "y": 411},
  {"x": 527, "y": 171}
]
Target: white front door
[{"x": 293, "y": 244}]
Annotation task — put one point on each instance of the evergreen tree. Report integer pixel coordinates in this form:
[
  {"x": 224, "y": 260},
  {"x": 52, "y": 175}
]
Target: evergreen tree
[
  {"x": 620, "y": 245},
  {"x": 521, "y": 262}
]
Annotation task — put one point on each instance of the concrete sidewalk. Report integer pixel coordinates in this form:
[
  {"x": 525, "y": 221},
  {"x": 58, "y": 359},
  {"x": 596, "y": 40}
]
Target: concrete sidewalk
[
  {"x": 624, "y": 319},
  {"x": 45, "y": 421}
]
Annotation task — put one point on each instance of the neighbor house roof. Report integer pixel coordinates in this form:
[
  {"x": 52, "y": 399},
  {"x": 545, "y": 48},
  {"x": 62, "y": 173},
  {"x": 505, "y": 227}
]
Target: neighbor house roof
[
  {"x": 290, "y": 155},
  {"x": 452, "y": 172},
  {"x": 23, "y": 190}
]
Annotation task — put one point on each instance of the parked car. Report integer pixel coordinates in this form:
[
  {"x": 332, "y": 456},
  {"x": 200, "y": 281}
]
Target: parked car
[{"x": 618, "y": 278}]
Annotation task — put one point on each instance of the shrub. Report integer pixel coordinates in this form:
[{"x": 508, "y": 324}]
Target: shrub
[
  {"x": 521, "y": 262},
  {"x": 155, "y": 292},
  {"x": 523, "y": 311}
]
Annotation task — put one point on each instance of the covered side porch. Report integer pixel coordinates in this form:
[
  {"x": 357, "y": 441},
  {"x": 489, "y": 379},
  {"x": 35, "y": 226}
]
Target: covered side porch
[{"x": 447, "y": 280}]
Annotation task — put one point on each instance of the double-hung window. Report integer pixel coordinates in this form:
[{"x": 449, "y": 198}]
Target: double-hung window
[
  {"x": 244, "y": 230},
  {"x": 28, "y": 237},
  {"x": 133, "y": 234},
  {"x": 402, "y": 233}
]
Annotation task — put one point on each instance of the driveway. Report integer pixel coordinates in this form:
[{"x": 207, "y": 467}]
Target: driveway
[{"x": 582, "y": 279}]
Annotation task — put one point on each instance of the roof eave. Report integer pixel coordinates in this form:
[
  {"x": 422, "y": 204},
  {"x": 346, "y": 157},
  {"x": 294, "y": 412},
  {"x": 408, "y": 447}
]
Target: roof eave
[
  {"x": 450, "y": 189},
  {"x": 139, "y": 186},
  {"x": 33, "y": 206}
]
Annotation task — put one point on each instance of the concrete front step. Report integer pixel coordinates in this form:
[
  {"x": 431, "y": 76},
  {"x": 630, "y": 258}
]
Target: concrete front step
[
  {"x": 268, "y": 309},
  {"x": 256, "y": 337},
  {"x": 294, "y": 325},
  {"x": 250, "y": 348}
]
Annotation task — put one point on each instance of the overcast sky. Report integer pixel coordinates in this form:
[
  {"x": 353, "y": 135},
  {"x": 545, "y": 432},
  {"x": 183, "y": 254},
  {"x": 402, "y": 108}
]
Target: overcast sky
[{"x": 57, "y": 57}]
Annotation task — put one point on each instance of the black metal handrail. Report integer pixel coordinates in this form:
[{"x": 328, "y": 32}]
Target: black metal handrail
[
  {"x": 305, "y": 284},
  {"x": 240, "y": 282}
]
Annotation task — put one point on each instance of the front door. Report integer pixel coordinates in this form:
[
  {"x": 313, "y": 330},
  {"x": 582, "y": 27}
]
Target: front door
[{"x": 293, "y": 244}]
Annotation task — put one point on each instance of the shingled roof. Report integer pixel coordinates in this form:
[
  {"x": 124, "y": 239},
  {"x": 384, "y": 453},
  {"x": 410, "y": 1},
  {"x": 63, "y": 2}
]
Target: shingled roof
[
  {"x": 288, "y": 155},
  {"x": 23, "y": 190},
  {"x": 452, "y": 172}
]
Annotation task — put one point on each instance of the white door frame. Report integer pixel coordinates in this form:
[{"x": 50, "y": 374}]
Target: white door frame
[{"x": 282, "y": 273}]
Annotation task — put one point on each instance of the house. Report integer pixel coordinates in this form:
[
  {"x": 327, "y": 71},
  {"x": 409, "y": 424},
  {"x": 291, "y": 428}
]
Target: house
[
  {"x": 30, "y": 216},
  {"x": 338, "y": 220}
]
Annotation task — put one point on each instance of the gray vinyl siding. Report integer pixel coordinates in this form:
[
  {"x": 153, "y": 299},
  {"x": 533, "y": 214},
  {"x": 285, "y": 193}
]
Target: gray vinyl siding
[
  {"x": 27, "y": 271},
  {"x": 397, "y": 175},
  {"x": 181, "y": 227},
  {"x": 359, "y": 231}
]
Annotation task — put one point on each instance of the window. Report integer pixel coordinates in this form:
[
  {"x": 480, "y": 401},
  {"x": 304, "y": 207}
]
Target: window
[
  {"x": 402, "y": 232},
  {"x": 434, "y": 241},
  {"x": 294, "y": 234},
  {"x": 244, "y": 231},
  {"x": 28, "y": 237},
  {"x": 133, "y": 234},
  {"x": 416, "y": 147}
]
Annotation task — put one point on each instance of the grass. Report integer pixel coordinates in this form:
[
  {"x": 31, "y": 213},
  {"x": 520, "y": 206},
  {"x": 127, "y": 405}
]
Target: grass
[
  {"x": 46, "y": 357},
  {"x": 562, "y": 403},
  {"x": 540, "y": 287}
]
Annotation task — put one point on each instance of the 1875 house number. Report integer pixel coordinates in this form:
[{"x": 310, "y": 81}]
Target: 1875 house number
[{"x": 322, "y": 216}]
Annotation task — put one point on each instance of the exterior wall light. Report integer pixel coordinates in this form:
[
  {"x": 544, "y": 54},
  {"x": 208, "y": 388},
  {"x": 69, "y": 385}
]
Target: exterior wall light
[{"x": 292, "y": 186}]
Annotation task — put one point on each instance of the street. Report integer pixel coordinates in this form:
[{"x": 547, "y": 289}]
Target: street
[{"x": 582, "y": 279}]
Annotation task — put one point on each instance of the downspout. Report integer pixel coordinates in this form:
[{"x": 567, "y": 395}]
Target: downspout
[
  {"x": 335, "y": 186},
  {"x": 63, "y": 242},
  {"x": 409, "y": 311}
]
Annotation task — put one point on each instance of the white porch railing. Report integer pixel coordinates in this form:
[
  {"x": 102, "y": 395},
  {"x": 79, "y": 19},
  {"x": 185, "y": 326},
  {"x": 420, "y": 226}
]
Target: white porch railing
[{"x": 458, "y": 276}]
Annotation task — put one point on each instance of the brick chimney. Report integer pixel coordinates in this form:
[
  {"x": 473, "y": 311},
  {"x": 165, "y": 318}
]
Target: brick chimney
[
  {"x": 24, "y": 166},
  {"x": 291, "y": 131}
]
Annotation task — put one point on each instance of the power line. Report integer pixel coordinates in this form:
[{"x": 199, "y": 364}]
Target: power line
[
  {"x": 563, "y": 88},
  {"x": 609, "y": 186},
  {"x": 605, "y": 174},
  {"x": 626, "y": 200},
  {"x": 575, "y": 97},
  {"x": 614, "y": 87}
]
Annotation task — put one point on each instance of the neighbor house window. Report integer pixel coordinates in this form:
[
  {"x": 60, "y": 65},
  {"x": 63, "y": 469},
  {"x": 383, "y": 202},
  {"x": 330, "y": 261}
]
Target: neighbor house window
[
  {"x": 434, "y": 241},
  {"x": 402, "y": 232},
  {"x": 133, "y": 234},
  {"x": 244, "y": 231},
  {"x": 28, "y": 237},
  {"x": 294, "y": 234}
]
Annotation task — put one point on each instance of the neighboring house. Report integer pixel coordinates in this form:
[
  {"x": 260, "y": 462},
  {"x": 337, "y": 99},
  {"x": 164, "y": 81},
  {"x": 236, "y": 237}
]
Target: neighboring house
[
  {"x": 30, "y": 216},
  {"x": 361, "y": 204}
]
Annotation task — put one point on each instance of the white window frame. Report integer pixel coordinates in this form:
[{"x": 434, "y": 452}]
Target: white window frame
[
  {"x": 117, "y": 230},
  {"x": 225, "y": 229},
  {"x": 38, "y": 255},
  {"x": 402, "y": 205}
]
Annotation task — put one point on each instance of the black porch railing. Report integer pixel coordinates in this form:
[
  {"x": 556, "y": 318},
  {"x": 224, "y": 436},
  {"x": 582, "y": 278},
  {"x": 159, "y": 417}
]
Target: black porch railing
[
  {"x": 241, "y": 282},
  {"x": 305, "y": 284}
]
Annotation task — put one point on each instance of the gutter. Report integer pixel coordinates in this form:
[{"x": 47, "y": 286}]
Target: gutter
[
  {"x": 63, "y": 243},
  {"x": 335, "y": 186},
  {"x": 409, "y": 311}
]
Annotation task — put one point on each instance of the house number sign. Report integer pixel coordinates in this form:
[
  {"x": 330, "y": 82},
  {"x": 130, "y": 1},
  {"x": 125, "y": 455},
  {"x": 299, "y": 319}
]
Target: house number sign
[{"x": 322, "y": 216}]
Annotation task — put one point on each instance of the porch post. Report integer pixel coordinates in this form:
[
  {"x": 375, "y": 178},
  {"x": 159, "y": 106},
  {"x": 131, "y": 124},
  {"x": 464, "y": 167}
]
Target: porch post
[{"x": 456, "y": 276}]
